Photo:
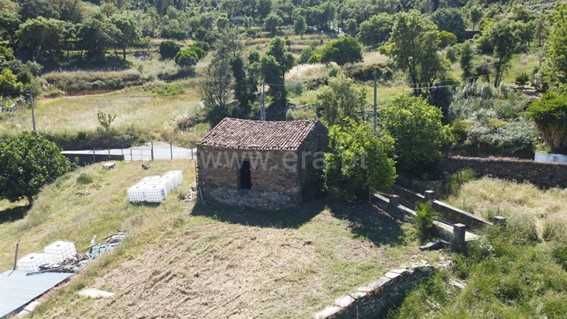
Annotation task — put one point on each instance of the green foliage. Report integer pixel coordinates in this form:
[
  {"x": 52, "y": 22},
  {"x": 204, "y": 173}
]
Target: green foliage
[
  {"x": 168, "y": 49},
  {"x": 189, "y": 56},
  {"x": 522, "y": 79},
  {"x": 550, "y": 115},
  {"x": 556, "y": 47},
  {"x": 28, "y": 162},
  {"x": 128, "y": 33},
  {"x": 272, "y": 22},
  {"x": 358, "y": 161},
  {"x": 424, "y": 221},
  {"x": 341, "y": 100},
  {"x": 299, "y": 25},
  {"x": 105, "y": 120},
  {"x": 9, "y": 84},
  {"x": 97, "y": 35},
  {"x": 376, "y": 30},
  {"x": 84, "y": 179},
  {"x": 467, "y": 55},
  {"x": 419, "y": 132},
  {"x": 560, "y": 255},
  {"x": 458, "y": 179},
  {"x": 41, "y": 39},
  {"x": 450, "y": 20},
  {"x": 342, "y": 50},
  {"x": 414, "y": 45},
  {"x": 274, "y": 66}
]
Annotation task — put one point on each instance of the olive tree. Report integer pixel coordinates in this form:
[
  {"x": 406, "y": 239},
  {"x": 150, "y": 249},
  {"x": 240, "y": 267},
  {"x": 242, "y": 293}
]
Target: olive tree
[{"x": 28, "y": 162}]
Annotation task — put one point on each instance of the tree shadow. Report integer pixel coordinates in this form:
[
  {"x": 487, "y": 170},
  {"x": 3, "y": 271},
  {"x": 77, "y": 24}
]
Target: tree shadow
[
  {"x": 285, "y": 218},
  {"x": 13, "y": 213},
  {"x": 369, "y": 222}
]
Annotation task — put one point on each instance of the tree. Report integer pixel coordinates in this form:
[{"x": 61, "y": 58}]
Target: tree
[
  {"x": 299, "y": 25},
  {"x": 9, "y": 22},
  {"x": 376, "y": 30},
  {"x": 450, "y": 20},
  {"x": 467, "y": 55},
  {"x": 413, "y": 45},
  {"x": 556, "y": 47},
  {"x": 30, "y": 9},
  {"x": 504, "y": 39},
  {"x": 96, "y": 36},
  {"x": 28, "y": 162},
  {"x": 358, "y": 162},
  {"x": 128, "y": 32},
  {"x": 189, "y": 56},
  {"x": 9, "y": 84},
  {"x": 342, "y": 50},
  {"x": 41, "y": 40},
  {"x": 243, "y": 92},
  {"x": 274, "y": 66},
  {"x": 271, "y": 23},
  {"x": 475, "y": 16},
  {"x": 550, "y": 116},
  {"x": 419, "y": 133},
  {"x": 341, "y": 100},
  {"x": 215, "y": 90},
  {"x": 264, "y": 8},
  {"x": 168, "y": 49}
]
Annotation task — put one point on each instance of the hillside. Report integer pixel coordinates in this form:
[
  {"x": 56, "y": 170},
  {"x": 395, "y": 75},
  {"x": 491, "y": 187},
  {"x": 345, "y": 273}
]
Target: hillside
[{"x": 206, "y": 262}]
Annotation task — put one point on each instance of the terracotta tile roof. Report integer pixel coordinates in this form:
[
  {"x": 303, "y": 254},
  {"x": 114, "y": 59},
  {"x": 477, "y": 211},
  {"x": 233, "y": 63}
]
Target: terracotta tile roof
[{"x": 238, "y": 134}]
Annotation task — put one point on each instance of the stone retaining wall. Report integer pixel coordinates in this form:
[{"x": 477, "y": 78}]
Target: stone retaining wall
[
  {"x": 377, "y": 298},
  {"x": 540, "y": 174}
]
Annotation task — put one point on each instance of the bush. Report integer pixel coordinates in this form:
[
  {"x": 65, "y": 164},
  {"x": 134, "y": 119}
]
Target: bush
[
  {"x": 189, "y": 56},
  {"x": 458, "y": 179},
  {"x": 28, "y": 161},
  {"x": 419, "y": 132},
  {"x": 358, "y": 161},
  {"x": 168, "y": 49},
  {"x": 560, "y": 255},
  {"x": 84, "y": 179},
  {"x": 522, "y": 79},
  {"x": 342, "y": 51},
  {"x": 424, "y": 221},
  {"x": 550, "y": 116}
]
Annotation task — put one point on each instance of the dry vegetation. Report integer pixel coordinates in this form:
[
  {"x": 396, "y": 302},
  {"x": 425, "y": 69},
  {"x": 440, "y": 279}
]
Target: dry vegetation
[
  {"x": 206, "y": 262},
  {"x": 526, "y": 205}
]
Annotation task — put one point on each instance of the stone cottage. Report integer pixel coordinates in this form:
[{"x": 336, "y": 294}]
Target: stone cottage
[{"x": 261, "y": 164}]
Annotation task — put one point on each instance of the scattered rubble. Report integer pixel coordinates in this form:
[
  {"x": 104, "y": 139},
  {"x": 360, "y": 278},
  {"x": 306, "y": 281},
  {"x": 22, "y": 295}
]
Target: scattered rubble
[{"x": 94, "y": 293}]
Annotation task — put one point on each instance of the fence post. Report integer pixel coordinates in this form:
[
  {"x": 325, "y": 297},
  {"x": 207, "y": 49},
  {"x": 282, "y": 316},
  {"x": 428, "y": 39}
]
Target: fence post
[
  {"x": 430, "y": 196},
  {"x": 394, "y": 202},
  {"x": 171, "y": 150},
  {"x": 499, "y": 220},
  {"x": 16, "y": 256},
  {"x": 131, "y": 157},
  {"x": 94, "y": 156},
  {"x": 459, "y": 243},
  {"x": 152, "y": 151}
]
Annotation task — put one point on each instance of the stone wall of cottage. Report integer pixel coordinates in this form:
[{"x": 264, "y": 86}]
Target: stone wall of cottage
[
  {"x": 312, "y": 160},
  {"x": 274, "y": 174}
]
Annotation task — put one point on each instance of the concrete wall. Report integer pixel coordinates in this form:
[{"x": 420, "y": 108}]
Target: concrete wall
[
  {"x": 540, "y": 174},
  {"x": 83, "y": 159},
  {"x": 378, "y": 297},
  {"x": 274, "y": 185}
]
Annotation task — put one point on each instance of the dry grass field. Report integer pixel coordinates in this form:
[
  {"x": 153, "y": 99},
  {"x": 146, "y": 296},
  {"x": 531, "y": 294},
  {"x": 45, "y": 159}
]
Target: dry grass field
[
  {"x": 206, "y": 262},
  {"x": 528, "y": 207}
]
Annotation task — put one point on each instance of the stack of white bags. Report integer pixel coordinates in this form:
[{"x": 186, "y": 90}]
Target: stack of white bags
[
  {"x": 154, "y": 189},
  {"x": 53, "y": 253}
]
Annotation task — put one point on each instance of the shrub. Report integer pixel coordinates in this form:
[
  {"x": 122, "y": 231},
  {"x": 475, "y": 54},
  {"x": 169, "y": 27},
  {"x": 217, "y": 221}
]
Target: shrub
[
  {"x": 189, "y": 56},
  {"x": 376, "y": 30},
  {"x": 358, "y": 161},
  {"x": 550, "y": 116},
  {"x": 168, "y": 49},
  {"x": 84, "y": 179},
  {"x": 522, "y": 79},
  {"x": 28, "y": 162},
  {"x": 419, "y": 132},
  {"x": 458, "y": 179},
  {"x": 424, "y": 221},
  {"x": 559, "y": 254},
  {"x": 342, "y": 50}
]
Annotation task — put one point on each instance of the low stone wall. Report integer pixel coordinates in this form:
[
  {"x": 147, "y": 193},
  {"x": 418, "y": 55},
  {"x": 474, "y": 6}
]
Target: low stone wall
[
  {"x": 540, "y": 174},
  {"x": 377, "y": 298}
]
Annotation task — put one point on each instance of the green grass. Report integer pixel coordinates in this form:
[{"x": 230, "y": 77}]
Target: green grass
[
  {"x": 521, "y": 63},
  {"x": 279, "y": 264}
]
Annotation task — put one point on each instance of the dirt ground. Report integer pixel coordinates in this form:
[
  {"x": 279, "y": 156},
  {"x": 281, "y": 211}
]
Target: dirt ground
[{"x": 244, "y": 265}]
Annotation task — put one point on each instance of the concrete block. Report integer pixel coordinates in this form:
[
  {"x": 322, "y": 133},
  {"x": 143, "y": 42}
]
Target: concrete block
[
  {"x": 330, "y": 312},
  {"x": 344, "y": 301}
]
